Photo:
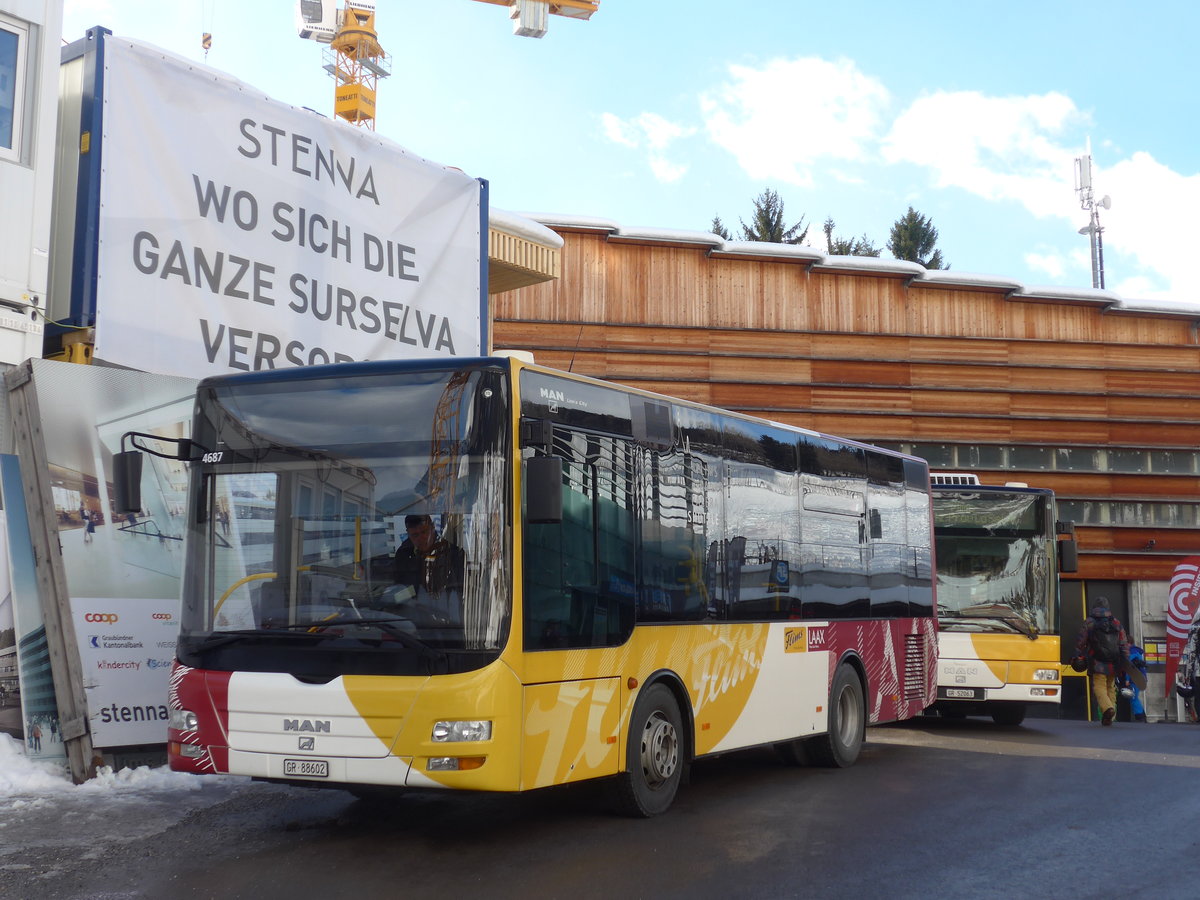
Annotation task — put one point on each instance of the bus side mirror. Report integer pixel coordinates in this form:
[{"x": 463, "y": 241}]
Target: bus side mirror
[
  {"x": 543, "y": 490},
  {"x": 127, "y": 482},
  {"x": 1068, "y": 556}
]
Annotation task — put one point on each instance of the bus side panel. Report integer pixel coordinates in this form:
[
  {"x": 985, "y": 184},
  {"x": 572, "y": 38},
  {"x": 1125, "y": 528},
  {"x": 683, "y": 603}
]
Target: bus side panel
[
  {"x": 900, "y": 657},
  {"x": 572, "y": 731},
  {"x": 788, "y": 696}
]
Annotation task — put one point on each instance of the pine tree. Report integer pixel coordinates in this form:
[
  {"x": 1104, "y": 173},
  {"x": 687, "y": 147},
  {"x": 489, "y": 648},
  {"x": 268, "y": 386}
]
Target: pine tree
[
  {"x": 718, "y": 228},
  {"x": 768, "y": 222},
  {"x": 861, "y": 246},
  {"x": 913, "y": 238}
]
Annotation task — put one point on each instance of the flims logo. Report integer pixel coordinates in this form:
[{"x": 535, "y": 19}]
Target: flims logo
[{"x": 106, "y": 618}]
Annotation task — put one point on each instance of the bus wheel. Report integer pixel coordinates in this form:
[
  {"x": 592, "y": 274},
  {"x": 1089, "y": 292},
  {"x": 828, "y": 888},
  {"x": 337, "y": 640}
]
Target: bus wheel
[
  {"x": 1010, "y": 714},
  {"x": 839, "y": 747},
  {"x": 655, "y": 756}
]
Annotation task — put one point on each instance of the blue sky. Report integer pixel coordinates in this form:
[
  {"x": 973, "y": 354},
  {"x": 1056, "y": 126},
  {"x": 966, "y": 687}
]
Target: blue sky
[{"x": 664, "y": 113}]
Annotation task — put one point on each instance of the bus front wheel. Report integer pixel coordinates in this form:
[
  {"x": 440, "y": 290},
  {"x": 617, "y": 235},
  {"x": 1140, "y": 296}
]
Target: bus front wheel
[
  {"x": 1008, "y": 714},
  {"x": 655, "y": 756},
  {"x": 840, "y": 745}
]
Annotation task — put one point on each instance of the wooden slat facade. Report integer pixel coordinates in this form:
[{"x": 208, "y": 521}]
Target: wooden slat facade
[{"x": 879, "y": 357}]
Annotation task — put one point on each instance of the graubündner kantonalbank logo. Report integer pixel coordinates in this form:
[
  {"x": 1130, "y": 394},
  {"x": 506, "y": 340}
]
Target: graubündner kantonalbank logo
[{"x": 113, "y": 642}]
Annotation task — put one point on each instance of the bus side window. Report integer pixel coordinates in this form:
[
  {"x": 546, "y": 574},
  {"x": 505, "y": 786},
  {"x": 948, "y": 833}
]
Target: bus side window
[{"x": 578, "y": 592}]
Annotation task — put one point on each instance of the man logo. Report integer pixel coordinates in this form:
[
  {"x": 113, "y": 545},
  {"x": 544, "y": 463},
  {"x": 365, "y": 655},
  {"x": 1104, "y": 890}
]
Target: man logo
[
  {"x": 318, "y": 726},
  {"x": 308, "y": 744},
  {"x": 107, "y": 618}
]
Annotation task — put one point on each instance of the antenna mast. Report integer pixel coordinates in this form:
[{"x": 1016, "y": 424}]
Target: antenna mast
[{"x": 1094, "y": 231}]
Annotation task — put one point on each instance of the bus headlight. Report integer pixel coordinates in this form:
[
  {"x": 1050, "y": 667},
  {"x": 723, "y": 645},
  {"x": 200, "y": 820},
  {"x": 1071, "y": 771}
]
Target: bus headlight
[
  {"x": 182, "y": 720},
  {"x": 1045, "y": 675},
  {"x": 468, "y": 730}
]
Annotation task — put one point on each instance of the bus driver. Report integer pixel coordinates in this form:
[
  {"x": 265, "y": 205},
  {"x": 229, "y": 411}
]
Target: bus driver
[{"x": 432, "y": 566}]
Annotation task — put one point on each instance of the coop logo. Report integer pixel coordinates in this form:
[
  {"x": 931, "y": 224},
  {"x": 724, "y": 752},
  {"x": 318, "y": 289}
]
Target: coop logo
[
  {"x": 319, "y": 726},
  {"x": 106, "y": 618},
  {"x": 162, "y": 617}
]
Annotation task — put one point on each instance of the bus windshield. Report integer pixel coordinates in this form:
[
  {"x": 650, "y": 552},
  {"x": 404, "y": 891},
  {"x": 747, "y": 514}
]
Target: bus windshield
[
  {"x": 351, "y": 524},
  {"x": 994, "y": 563}
]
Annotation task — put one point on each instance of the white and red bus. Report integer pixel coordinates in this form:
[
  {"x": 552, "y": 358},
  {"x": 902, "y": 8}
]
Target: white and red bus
[
  {"x": 1000, "y": 550},
  {"x": 641, "y": 581}
]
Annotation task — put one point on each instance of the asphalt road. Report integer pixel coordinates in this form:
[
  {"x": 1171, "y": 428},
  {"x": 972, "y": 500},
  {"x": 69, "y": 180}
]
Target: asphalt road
[{"x": 936, "y": 808}]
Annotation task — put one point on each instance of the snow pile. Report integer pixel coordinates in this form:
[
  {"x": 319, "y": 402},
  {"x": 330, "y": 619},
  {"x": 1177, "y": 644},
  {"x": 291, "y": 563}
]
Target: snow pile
[{"x": 23, "y": 779}]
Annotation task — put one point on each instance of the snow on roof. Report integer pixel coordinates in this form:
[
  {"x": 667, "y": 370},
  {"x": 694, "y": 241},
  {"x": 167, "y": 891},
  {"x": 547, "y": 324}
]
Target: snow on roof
[
  {"x": 867, "y": 264},
  {"x": 1189, "y": 308},
  {"x": 522, "y": 227},
  {"x": 764, "y": 248},
  {"x": 670, "y": 235},
  {"x": 1059, "y": 292},
  {"x": 568, "y": 221},
  {"x": 950, "y": 277},
  {"x": 872, "y": 264}
]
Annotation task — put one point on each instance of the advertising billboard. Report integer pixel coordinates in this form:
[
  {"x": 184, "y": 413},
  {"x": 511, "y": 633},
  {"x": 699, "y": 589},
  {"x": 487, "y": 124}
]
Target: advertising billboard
[
  {"x": 122, "y": 573},
  {"x": 237, "y": 233}
]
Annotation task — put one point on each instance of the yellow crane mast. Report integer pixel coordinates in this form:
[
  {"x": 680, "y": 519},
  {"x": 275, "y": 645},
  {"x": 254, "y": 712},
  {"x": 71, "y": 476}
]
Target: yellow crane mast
[{"x": 354, "y": 57}]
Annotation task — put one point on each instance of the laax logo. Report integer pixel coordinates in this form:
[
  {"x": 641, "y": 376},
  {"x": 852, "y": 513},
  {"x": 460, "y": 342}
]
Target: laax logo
[
  {"x": 109, "y": 618},
  {"x": 318, "y": 726}
]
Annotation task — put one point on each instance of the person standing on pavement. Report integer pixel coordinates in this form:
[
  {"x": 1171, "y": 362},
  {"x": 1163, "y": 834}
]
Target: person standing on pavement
[
  {"x": 1137, "y": 659},
  {"x": 1102, "y": 645}
]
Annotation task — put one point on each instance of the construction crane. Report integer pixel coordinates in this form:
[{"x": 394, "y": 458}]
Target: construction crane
[
  {"x": 531, "y": 17},
  {"x": 354, "y": 57}
]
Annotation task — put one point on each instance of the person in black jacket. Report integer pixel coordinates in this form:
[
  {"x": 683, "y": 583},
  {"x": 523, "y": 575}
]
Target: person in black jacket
[
  {"x": 1103, "y": 644},
  {"x": 432, "y": 566}
]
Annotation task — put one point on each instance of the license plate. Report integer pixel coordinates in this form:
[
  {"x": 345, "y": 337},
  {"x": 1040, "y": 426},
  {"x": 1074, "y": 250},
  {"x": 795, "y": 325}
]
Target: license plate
[
  {"x": 306, "y": 768},
  {"x": 961, "y": 693}
]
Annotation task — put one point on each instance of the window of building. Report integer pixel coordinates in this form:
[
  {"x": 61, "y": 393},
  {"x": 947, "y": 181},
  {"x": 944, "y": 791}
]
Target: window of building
[{"x": 13, "y": 50}]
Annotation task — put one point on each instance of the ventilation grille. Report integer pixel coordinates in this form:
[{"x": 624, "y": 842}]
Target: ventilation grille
[
  {"x": 953, "y": 478},
  {"x": 914, "y": 667}
]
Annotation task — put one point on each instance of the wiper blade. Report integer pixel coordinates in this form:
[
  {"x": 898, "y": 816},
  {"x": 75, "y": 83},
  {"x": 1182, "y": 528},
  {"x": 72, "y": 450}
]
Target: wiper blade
[
  {"x": 386, "y": 623},
  {"x": 1013, "y": 623},
  {"x": 230, "y": 637}
]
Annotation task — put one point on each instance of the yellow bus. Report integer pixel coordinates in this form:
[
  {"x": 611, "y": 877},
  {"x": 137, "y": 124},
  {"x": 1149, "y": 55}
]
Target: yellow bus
[
  {"x": 618, "y": 584},
  {"x": 999, "y": 552}
]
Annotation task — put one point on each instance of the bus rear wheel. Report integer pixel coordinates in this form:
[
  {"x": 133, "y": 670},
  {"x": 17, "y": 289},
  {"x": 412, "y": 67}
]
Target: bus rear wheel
[
  {"x": 655, "y": 756},
  {"x": 840, "y": 745}
]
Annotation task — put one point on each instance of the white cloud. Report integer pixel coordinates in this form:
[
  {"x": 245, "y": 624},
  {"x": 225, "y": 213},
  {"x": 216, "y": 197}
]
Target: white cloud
[
  {"x": 653, "y": 131},
  {"x": 781, "y": 119},
  {"x": 1151, "y": 223},
  {"x": 1051, "y": 263},
  {"x": 1000, "y": 148},
  {"x": 619, "y": 132}
]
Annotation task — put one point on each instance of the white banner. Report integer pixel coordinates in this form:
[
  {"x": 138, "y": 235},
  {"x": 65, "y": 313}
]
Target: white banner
[{"x": 238, "y": 233}]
